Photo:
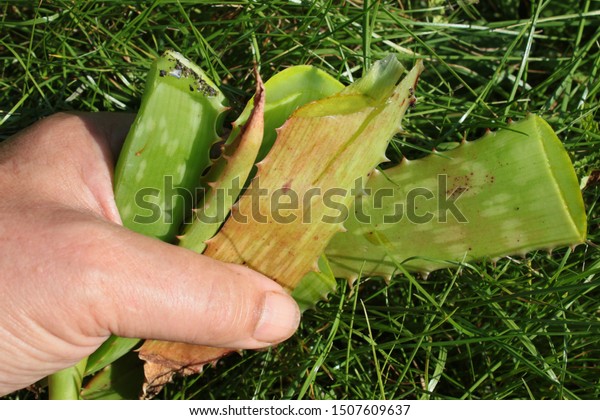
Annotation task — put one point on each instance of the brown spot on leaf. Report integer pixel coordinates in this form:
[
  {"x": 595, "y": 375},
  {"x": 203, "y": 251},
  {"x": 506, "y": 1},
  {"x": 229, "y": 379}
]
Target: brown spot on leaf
[
  {"x": 287, "y": 186},
  {"x": 457, "y": 191}
]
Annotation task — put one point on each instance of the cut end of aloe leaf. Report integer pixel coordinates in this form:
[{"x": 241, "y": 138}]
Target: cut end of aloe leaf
[
  {"x": 376, "y": 83},
  {"x": 167, "y": 147},
  {"x": 181, "y": 71},
  {"x": 511, "y": 192},
  {"x": 564, "y": 175}
]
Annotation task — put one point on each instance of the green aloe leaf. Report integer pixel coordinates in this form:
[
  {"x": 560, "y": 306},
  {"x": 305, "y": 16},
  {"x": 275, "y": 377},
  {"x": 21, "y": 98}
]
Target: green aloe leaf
[
  {"x": 121, "y": 380},
  {"x": 315, "y": 286},
  {"x": 285, "y": 92},
  {"x": 163, "y": 157},
  {"x": 66, "y": 384},
  {"x": 112, "y": 349},
  {"x": 511, "y": 192},
  {"x": 167, "y": 148}
]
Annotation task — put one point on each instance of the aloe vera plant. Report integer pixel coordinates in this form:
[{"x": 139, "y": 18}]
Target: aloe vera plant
[
  {"x": 283, "y": 93},
  {"x": 314, "y": 155},
  {"x": 320, "y": 138}
]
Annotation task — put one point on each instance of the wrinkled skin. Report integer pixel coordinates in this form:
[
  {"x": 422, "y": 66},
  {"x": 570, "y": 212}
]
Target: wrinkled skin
[{"x": 71, "y": 275}]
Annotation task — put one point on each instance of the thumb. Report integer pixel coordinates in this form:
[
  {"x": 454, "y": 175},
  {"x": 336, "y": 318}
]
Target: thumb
[{"x": 164, "y": 292}]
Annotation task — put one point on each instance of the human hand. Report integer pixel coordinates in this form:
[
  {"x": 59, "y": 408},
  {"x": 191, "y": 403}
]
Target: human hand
[{"x": 71, "y": 275}]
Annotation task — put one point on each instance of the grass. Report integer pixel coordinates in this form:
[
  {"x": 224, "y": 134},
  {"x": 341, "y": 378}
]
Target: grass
[{"x": 522, "y": 327}]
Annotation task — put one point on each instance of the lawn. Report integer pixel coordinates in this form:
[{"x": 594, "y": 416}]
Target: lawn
[{"x": 522, "y": 327}]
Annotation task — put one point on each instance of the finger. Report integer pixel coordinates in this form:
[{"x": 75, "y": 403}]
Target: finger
[
  {"x": 109, "y": 127},
  {"x": 161, "y": 291},
  {"x": 68, "y": 131},
  {"x": 108, "y": 131},
  {"x": 70, "y": 156}
]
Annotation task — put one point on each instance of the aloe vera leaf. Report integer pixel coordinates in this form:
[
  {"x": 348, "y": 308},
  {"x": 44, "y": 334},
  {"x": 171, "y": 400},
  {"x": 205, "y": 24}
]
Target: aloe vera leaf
[
  {"x": 121, "y": 380},
  {"x": 315, "y": 286},
  {"x": 238, "y": 159},
  {"x": 165, "y": 359},
  {"x": 164, "y": 154},
  {"x": 283, "y": 93},
  {"x": 317, "y": 138},
  {"x": 226, "y": 178},
  {"x": 66, "y": 383},
  {"x": 167, "y": 148},
  {"x": 113, "y": 348},
  {"x": 324, "y": 147},
  {"x": 513, "y": 191}
]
